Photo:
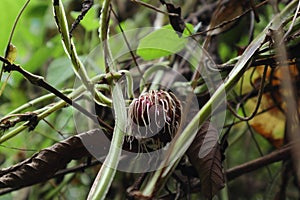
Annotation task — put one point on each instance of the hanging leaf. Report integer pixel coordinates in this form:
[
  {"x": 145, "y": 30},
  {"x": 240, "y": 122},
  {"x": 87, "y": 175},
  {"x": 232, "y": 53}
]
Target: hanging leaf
[
  {"x": 224, "y": 14},
  {"x": 176, "y": 21},
  {"x": 206, "y": 157}
]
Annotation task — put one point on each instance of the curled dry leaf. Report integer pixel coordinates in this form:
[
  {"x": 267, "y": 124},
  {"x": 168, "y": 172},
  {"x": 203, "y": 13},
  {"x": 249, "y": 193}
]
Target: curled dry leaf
[
  {"x": 206, "y": 157},
  {"x": 44, "y": 164}
]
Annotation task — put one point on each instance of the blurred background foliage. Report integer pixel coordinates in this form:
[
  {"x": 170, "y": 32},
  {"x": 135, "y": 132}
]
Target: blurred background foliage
[{"x": 40, "y": 51}]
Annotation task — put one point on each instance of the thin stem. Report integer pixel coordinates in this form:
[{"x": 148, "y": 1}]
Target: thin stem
[
  {"x": 154, "y": 8},
  {"x": 260, "y": 94},
  {"x": 127, "y": 43}
]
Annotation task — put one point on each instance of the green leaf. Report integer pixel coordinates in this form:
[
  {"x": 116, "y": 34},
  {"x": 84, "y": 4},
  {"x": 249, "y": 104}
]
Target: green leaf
[{"x": 162, "y": 42}]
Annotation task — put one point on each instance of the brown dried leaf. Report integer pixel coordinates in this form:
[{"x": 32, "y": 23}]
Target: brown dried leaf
[
  {"x": 225, "y": 12},
  {"x": 206, "y": 157},
  {"x": 44, "y": 164}
]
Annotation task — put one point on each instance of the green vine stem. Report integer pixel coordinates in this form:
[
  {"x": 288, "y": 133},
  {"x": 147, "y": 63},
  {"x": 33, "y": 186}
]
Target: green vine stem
[
  {"x": 103, "y": 34},
  {"x": 109, "y": 79},
  {"x": 37, "y": 101},
  {"x": 129, "y": 80},
  {"x": 107, "y": 172},
  {"x": 150, "y": 71},
  {"x": 59, "y": 105},
  {"x": 40, "y": 116},
  {"x": 61, "y": 21},
  {"x": 103, "y": 100},
  {"x": 185, "y": 138}
]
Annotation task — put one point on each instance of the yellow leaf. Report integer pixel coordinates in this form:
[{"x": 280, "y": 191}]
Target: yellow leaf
[
  {"x": 271, "y": 123},
  {"x": 11, "y": 53}
]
